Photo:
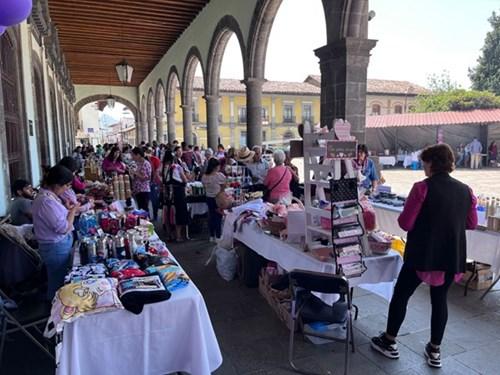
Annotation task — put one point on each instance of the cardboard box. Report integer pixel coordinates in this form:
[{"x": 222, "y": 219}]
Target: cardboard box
[{"x": 482, "y": 277}]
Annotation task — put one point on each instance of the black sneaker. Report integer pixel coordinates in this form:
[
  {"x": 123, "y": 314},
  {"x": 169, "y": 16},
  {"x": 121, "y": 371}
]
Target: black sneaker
[
  {"x": 433, "y": 356},
  {"x": 385, "y": 346}
]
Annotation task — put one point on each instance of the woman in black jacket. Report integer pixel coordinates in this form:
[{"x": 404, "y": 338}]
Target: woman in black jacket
[{"x": 437, "y": 212}]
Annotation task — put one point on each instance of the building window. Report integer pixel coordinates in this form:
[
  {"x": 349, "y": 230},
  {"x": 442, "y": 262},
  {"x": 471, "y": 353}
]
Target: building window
[
  {"x": 264, "y": 136},
  {"x": 242, "y": 115},
  {"x": 265, "y": 115},
  {"x": 307, "y": 112},
  {"x": 398, "y": 109},
  {"x": 243, "y": 138},
  {"x": 288, "y": 135},
  {"x": 376, "y": 109},
  {"x": 288, "y": 113}
]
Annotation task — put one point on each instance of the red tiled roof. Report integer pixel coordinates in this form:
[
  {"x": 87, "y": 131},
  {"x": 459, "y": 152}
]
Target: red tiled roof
[
  {"x": 311, "y": 86},
  {"x": 269, "y": 87},
  {"x": 381, "y": 86},
  {"x": 478, "y": 116}
]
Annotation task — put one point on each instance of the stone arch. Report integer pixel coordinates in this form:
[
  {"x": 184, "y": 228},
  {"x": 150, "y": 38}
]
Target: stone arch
[
  {"x": 143, "y": 133},
  {"x": 151, "y": 121},
  {"x": 172, "y": 84},
  {"x": 94, "y": 98},
  {"x": 226, "y": 27},
  {"x": 160, "y": 110},
  {"x": 260, "y": 29},
  {"x": 193, "y": 56}
]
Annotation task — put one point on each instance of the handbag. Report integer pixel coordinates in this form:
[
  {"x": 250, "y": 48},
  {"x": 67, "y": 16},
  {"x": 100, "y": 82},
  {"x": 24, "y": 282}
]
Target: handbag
[{"x": 267, "y": 192}]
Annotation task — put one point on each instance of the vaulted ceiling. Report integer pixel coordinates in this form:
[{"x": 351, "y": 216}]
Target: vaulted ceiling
[{"x": 95, "y": 35}]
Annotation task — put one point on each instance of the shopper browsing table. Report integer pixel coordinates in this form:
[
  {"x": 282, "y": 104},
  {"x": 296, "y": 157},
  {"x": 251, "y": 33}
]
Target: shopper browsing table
[
  {"x": 437, "y": 212},
  {"x": 112, "y": 163},
  {"x": 53, "y": 224},
  {"x": 214, "y": 182},
  {"x": 141, "y": 178}
]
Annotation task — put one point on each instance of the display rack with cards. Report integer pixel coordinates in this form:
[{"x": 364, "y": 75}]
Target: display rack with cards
[{"x": 328, "y": 164}]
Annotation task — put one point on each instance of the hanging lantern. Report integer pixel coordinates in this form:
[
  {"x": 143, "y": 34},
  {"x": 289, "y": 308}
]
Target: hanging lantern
[
  {"x": 2, "y": 29},
  {"x": 14, "y": 11},
  {"x": 111, "y": 101},
  {"x": 124, "y": 71}
]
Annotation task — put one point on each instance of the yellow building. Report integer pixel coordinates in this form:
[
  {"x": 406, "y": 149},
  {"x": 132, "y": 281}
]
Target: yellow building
[{"x": 284, "y": 105}]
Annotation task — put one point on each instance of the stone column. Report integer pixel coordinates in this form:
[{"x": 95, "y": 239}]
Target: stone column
[
  {"x": 254, "y": 111},
  {"x": 171, "y": 126},
  {"x": 212, "y": 120},
  {"x": 187, "y": 123},
  {"x": 160, "y": 128},
  {"x": 144, "y": 129},
  {"x": 343, "y": 66},
  {"x": 151, "y": 129}
]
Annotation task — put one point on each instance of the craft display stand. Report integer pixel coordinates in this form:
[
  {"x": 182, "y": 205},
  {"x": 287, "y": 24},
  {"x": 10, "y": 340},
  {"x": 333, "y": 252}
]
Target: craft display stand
[{"x": 322, "y": 172}]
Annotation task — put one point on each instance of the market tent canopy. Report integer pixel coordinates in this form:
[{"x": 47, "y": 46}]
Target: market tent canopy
[
  {"x": 414, "y": 131},
  {"x": 478, "y": 117}
]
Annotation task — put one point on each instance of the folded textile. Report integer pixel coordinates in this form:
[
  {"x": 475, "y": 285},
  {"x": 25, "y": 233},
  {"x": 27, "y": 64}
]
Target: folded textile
[
  {"x": 127, "y": 273},
  {"x": 172, "y": 276},
  {"x": 138, "y": 291},
  {"x": 87, "y": 271},
  {"x": 79, "y": 299},
  {"x": 114, "y": 264}
]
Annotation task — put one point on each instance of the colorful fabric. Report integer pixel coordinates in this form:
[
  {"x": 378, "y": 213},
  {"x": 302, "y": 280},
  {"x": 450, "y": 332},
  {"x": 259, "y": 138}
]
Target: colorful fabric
[
  {"x": 115, "y": 265},
  {"x": 127, "y": 273},
  {"x": 172, "y": 276},
  {"x": 142, "y": 177},
  {"x": 85, "y": 272},
  {"x": 82, "y": 298}
]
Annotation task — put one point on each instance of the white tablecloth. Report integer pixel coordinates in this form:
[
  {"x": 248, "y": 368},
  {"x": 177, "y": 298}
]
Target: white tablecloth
[
  {"x": 166, "y": 337},
  {"x": 387, "y": 160},
  {"x": 197, "y": 209},
  {"x": 482, "y": 246},
  {"x": 379, "y": 277}
]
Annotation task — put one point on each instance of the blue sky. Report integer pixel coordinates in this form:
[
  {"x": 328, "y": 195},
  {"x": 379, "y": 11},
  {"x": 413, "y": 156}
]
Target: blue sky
[{"x": 415, "y": 39}]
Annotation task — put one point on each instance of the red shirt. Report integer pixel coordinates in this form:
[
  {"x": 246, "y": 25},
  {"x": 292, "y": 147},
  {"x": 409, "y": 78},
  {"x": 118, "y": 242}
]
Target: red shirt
[{"x": 155, "y": 165}]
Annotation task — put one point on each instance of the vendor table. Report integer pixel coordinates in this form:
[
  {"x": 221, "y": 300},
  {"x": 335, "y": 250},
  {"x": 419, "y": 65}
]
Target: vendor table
[
  {"x": 482, "y": 246},
  {"x": 198, "y": 208},
  {"x": 379, "y": 277},
  {"x": 166, "y": 337},
  {"x": 387, "y": 160}
]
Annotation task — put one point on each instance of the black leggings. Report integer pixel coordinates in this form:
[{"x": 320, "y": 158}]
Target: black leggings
[
  {"x": 407, "y": 282},
  {"x": 142, "y": 200}
]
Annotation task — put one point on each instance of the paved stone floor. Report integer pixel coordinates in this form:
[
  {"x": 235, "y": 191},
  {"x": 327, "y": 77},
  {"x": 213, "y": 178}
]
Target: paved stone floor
[{"x": 254, "y": 341}]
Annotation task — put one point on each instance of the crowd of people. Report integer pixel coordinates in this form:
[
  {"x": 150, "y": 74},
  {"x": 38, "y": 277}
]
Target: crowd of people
[{"x": 470, "y": 155}]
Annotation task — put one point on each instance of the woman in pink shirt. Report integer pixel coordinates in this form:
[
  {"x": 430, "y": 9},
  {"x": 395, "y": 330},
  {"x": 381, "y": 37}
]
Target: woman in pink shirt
[
  {"x": 436, "y": 215},
  {"x": 112, "y": 164},
  {"x": 278, "y": 180}
]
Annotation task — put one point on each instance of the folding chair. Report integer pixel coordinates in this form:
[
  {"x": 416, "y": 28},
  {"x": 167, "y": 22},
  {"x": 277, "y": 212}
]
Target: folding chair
[
  {"x": 307, "y": 307},
  {"x": 21, "y": 317}
]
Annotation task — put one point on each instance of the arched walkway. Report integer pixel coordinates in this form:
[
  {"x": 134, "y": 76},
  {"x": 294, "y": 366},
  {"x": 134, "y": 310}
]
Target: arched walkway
[
  {"x": 225, "y": 28},
  {"x": 192, "y": 59},
  {"x": 160, "y": 111},
  {"x": 151, "y": 117},
  {"x": 172, "y": 83},
  {"x": 96, "y": 98}
]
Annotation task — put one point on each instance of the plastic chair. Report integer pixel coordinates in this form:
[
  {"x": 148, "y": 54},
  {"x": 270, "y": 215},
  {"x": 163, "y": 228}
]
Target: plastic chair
[
  {"x": 16, "y": 317},
  {"x": 306, "y": 306}
]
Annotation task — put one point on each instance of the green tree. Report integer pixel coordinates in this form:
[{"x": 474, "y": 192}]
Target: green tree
[
  {"x": 441, "y": 82},
  {"x": 456, "y": 100},
  {"x": 486, "y": 75}
]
